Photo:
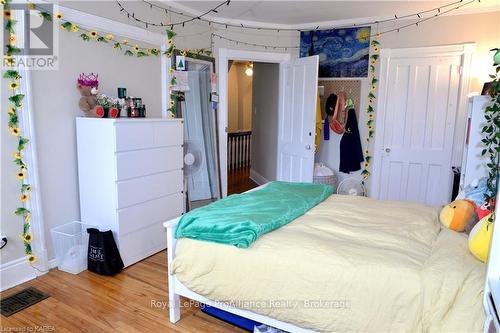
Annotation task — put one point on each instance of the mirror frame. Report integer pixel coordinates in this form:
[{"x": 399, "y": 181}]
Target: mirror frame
[{"x": 210, "y": 60}]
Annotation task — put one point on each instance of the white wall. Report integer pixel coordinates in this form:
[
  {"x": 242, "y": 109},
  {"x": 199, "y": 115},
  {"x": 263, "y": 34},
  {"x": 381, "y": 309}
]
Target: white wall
[
  {"x": 483, "y": 29},
  {"x": 239, "y": 99},
  {"x": 265, "y": 120},
  {"x": 55, "y": 108}
]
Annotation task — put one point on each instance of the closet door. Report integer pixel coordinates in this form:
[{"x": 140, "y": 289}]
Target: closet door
[
  {"x": 416, "y": 127},
  {"x": 299, "y": 89}
]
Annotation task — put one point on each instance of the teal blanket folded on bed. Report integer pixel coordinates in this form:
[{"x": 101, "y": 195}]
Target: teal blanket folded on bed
[{"x": 242, "y": 218}]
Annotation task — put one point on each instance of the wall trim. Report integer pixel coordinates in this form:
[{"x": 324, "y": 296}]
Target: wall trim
[
  {"x": 52, "y": 263},
  {"x": 258, "y": 178},
  {"x": 224, "y": 55},
  {"x": 15, "y": 272},
  {"x": 91, "y": 21}
]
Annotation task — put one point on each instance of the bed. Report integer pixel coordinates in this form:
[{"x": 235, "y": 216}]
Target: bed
[{"x": 348, "y": 264}]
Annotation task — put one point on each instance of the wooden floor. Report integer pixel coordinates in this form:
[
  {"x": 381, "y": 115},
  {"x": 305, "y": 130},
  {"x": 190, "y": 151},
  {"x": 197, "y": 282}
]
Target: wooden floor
[
  {"x": 239, "y": 181},
  {"x": 88, "y": 302}
]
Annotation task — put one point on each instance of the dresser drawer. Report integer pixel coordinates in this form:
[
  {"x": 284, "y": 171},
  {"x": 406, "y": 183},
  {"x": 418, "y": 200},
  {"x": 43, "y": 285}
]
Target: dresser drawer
[
  {"x": 138, "y": 163},
  {"x": 143, "y": 135},
  {"x": 140, "y": 244},
  {"x": 139, "y": 216},
  {"x": 138, "y": 190}
]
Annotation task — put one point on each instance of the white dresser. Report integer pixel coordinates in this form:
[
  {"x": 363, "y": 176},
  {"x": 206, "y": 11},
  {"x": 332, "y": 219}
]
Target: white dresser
[{"x": 130, "y": 175}]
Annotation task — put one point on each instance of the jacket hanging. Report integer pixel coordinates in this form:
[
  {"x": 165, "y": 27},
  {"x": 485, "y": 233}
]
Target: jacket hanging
[
  {"x": 351, "y": 152},
  {"x": 319, "y": 124}
]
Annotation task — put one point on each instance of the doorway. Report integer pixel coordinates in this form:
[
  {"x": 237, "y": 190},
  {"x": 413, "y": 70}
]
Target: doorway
[
  {"x": 421, "y": 122},
  {"x": 252, "y": 128},
  {"x": 296, "y": 105}
]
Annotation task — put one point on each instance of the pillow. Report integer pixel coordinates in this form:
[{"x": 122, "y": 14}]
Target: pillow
[
  {"x": 480, "y": 239},
  {"x": 459, "y": 215},
  {"x": 476, "y": 191},
  {"x": 485, "y": 208}
]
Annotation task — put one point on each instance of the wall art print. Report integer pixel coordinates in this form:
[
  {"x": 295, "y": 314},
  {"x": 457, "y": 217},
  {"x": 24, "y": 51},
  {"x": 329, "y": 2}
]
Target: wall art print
[{"x": 342, "y": 52}]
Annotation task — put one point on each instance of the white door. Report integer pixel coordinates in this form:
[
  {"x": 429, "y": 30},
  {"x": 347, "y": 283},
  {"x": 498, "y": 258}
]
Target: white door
[
  {"x": 415, "y": 126},
  {"x": 297, "y": 116}
]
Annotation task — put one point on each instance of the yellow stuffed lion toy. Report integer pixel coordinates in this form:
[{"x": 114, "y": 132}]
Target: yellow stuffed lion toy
[{"x": 460, "y": 215}]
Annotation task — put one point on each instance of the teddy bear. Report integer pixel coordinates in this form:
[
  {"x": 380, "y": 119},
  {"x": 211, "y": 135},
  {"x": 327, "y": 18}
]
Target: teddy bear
[{"x": 87, "y": 85}]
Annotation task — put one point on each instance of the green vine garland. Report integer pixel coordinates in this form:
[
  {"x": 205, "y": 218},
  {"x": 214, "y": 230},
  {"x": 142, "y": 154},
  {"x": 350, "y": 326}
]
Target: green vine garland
[
  {"x": 172, "y": 107},
  {"x": 491, "y": 134},
  {"x": 15, "y": 106},
  {"x": 370, "y": 112}
]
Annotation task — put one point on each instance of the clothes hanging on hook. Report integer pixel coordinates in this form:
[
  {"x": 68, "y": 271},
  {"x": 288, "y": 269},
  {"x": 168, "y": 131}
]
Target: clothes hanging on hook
[
  {"x": 319, "y": 124},
  {"x": 331, "y": 105},
  {"x": 339, "y": 119},
  {"x": 351, "y": 151},
  {"x": 326, "y": 129}
]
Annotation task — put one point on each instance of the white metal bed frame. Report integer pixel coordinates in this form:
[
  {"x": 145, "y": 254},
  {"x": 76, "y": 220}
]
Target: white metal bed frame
[{"x": 177, "y": 289}]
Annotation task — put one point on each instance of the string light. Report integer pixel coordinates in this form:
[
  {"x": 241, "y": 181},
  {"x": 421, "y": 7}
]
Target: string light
[
  {"x": 237, "y": 42},
  {"x": 376, "y": 35},
  {"x": 161, "y": 24},
  {"x": 398, "y": 29},
  {"x": 226, "y": 25}
]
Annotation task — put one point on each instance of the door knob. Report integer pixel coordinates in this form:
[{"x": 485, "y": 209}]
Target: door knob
[
  {"x": 308, "y": 147},
  {"x": 387, "y": 150}
]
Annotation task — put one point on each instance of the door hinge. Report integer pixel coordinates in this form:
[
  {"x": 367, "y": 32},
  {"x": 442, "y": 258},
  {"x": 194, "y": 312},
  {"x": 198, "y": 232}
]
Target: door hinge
[{"x": 460, "y": 70}]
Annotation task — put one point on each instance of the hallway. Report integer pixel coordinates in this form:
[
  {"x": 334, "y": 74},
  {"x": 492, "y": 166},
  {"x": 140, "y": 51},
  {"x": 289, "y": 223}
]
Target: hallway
[{"x": 239, "y": 181}]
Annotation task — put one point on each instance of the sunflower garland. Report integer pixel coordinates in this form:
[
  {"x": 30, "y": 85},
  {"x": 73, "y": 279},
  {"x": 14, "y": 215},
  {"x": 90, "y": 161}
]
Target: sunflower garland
[
  {"x": 128, "y": 50},
  {"x": 172, "y": 106},
  {"x": 16, "y": 105},
  {"x": 375, "y": 48},
  {"x": 87, "y": 35}
]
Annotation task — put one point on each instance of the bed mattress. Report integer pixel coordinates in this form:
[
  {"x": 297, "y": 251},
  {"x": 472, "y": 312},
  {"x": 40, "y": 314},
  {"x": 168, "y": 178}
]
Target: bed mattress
[{"x": 349, "y": 264}]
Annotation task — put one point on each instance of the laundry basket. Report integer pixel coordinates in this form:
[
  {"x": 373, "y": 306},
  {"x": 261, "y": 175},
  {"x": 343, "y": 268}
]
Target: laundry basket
[
  {"x": 71, "y": 242},
  {"x": 325, "y": 175}
]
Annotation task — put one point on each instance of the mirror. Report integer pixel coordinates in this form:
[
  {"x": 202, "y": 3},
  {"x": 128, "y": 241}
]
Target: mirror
[{"x": 201, "y": 155}]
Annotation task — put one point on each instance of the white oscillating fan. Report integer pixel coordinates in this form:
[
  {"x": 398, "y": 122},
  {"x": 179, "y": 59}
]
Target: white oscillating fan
[
  {"x": 351, "y": 186},
  {"x": 193, "y": 159}
]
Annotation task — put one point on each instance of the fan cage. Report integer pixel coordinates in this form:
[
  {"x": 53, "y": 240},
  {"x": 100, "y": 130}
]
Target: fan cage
[{"x": 349, "y": 183}]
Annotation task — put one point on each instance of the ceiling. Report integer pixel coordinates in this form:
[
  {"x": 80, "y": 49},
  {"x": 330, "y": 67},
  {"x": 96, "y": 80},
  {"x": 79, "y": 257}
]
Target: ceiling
[
  {"x": 310, "y": 12},
  {"x": 280, "y": 14}
]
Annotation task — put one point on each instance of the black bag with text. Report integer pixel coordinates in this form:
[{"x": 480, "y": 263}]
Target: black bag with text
[{"x": 103, "y": 255}]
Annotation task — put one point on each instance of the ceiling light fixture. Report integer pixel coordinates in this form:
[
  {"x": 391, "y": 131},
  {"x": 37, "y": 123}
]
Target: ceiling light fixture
[{"x": 249, "y": 70}]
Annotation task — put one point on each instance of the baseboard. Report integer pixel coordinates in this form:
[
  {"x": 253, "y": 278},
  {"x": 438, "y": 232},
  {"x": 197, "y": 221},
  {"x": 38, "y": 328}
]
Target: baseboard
[
  {"x": 15, "y": 272},
  {"x": 52, "y": 263},
  {"x": 258, "y": 178}
]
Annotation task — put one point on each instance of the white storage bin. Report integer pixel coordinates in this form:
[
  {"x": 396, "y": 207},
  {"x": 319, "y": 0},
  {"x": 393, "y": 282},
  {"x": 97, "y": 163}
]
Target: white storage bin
[{"x": 71, "y": 241}]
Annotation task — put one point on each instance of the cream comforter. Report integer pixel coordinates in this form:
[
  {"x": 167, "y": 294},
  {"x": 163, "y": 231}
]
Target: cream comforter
[{"x": 351, "y": 264}]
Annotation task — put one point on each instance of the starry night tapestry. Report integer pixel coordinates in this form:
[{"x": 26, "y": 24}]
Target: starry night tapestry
[{"x": 342, "y": 52}]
